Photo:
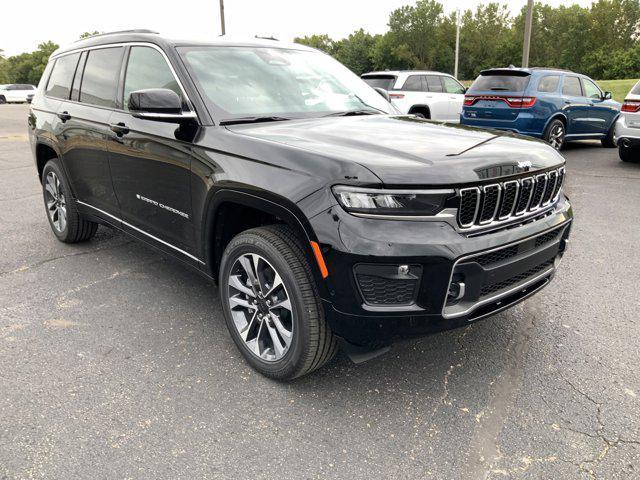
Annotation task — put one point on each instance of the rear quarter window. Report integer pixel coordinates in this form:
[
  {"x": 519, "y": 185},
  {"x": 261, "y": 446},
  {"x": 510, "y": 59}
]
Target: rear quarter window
[
  {"x": 59, "y": 84},
  {"x": 380, "y": 81},
  {"x": 500, "y": 83},
  {"x": 636, "y": 89}
]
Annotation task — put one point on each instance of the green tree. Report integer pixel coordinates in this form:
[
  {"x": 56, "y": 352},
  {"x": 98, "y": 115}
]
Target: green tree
[
  {"x": 355, "y": 51},
  {"x": 320, "y": 42},
  {"x": 89, "y": 34},
  {"x": 28, "y": 67}
]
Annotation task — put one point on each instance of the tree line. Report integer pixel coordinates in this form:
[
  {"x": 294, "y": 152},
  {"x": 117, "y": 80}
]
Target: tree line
[{"x": 601, "y": 40}]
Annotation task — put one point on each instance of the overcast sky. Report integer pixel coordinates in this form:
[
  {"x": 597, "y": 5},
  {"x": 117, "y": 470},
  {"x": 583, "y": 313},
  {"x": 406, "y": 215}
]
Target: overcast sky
[{"x": 24, "y": 25}]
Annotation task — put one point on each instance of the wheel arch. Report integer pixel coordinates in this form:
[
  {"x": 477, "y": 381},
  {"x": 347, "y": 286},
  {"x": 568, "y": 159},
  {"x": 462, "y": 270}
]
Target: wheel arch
[
  {"x": 44, "y": 151},
  {"x": 420, "y": 106},
  {"x": 230, "y": 211},
  {"x": 556, "y": 116}
]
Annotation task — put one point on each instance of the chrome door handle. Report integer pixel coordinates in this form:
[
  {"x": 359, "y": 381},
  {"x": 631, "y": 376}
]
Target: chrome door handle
[
  {"x": 64, "y": 116},
  {"x": 120, "y": 128}
]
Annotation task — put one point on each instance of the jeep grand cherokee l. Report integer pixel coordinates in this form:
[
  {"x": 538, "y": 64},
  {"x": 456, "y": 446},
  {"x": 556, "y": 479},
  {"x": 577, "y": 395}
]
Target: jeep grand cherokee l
[{"x": 325, "y": 216}]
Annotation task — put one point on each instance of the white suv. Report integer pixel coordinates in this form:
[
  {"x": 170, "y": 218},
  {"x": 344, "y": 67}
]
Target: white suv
[
  {"x": 434, "y": 95},
  {"x": 627, "y": 135},
  {"x": 16, "y": 92}
]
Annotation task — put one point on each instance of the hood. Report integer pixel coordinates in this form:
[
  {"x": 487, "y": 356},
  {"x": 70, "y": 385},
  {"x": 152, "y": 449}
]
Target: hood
[{"x": 403, "y": 150}]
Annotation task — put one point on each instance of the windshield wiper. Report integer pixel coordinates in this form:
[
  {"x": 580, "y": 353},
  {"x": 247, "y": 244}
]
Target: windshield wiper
[
  {"x": 239, "y": 120},
  {"x": 352, "y": 113}
]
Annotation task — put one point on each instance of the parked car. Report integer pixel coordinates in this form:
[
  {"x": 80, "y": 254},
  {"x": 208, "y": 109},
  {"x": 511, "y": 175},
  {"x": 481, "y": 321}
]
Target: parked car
[
  {"x": 324, "y": 216},
  {"x": 433, "y": 95},
  {"x": 628, "y": 127},
  {"x": 16, "y": 93},
  {"x": 555, "y": 105}
]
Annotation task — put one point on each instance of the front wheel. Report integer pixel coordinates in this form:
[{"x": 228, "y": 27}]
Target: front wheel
[
  {"x": 66, "y": 223},
  {"x": 555, "y": 134},
  {"x": 271, "y": 304},
  {"x": 608, "y": 141},
  {"x": 3, "y": 100}
]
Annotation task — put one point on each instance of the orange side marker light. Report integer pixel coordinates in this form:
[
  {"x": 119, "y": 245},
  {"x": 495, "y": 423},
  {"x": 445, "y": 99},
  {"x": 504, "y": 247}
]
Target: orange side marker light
[{"x": 320, "y": 259}]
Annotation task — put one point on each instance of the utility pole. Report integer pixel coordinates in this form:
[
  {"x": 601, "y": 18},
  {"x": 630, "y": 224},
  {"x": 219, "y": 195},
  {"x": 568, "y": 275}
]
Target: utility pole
[
  {"x": 222, "y": 16},
  {"x": 455, "y": 70},
  {"x": 527, "y": 35}
]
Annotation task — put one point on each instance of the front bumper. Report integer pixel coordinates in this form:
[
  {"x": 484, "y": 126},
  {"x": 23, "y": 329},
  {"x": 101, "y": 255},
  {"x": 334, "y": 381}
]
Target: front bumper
[{"x": 497, "y": 269}]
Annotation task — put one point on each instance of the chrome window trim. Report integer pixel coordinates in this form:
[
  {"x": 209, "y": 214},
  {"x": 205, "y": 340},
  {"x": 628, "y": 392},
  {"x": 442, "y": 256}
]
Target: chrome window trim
[
  {"x": 130, "y": 44},
  {"x": 187, "y": 254}
]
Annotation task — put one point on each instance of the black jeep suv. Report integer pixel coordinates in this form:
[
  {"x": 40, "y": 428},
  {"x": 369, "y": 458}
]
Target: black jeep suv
[{"x": 324, "y": 215}]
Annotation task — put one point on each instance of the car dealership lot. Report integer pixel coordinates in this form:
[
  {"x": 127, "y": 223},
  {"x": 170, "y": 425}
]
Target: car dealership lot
[{"x": 116, "y": 363}]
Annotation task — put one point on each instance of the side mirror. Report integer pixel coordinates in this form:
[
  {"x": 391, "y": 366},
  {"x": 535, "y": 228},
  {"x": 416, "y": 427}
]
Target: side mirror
[
  {"x": 383, "y": 93},
  {"x": 160, "y": 104},
  {"x": 607, "y": 96}
]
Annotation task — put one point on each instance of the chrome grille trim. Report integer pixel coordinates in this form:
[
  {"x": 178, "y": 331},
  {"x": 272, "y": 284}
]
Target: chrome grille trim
[{"x": 543, "y": 191}]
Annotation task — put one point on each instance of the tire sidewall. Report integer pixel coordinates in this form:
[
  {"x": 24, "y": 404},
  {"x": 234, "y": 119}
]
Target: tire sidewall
[
  {"x": 291, "y": 362},
  {"x": 3, "y": 100},
  {"x": 547, "y": 135},
  {"x": 54, "y": 166}
]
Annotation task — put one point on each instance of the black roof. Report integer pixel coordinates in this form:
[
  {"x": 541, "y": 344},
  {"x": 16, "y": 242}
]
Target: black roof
[{"x": 148, "y": 36}]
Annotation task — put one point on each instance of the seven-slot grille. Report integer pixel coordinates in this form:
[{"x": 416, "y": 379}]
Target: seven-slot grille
[{"x": 501, "y": 202}]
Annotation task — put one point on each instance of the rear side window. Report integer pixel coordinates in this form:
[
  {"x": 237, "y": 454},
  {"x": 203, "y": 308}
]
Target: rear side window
[
  {"x": 147, "y": 68},
  {"x": 571, "y": 87},
  {"x": 636, "y": 89},
  {"x": 59, "y": 84},
  {"x": 434, "y": 84},
  {"x": 100, "y": 78},
  {"x": 413, "y": 84},
  {"x": 549, "y": 83},
  {"x": 380, "y": 81},
  {"x": 500, "y": 83}
]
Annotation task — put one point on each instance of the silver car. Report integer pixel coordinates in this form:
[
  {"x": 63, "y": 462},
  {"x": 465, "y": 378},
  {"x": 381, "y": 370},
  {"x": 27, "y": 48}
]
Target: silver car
[{"x": 627, "y": 134}]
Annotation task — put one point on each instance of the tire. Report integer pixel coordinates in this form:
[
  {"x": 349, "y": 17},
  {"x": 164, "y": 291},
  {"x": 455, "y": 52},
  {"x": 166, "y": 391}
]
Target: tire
[
  {"x": 629, "y": 154},
  {"x": 608, "y": 141},
  {"x": 62, "y": 211},
  {"x": 555, "y": 134},
  {"x": 3, "y": 100},
  {"x": 269, "y": 250},
  {"x": 422, "y": 113}
]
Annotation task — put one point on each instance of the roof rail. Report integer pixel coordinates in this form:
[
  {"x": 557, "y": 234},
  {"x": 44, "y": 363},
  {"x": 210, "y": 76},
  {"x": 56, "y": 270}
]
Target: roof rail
[{"x": 141, "y": 30}]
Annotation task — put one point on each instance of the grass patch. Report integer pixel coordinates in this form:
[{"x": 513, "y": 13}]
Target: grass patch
[{"x": 619, "y": 88}]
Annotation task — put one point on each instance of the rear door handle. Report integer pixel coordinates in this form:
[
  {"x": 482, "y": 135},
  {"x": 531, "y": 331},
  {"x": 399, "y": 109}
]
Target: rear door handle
[
  {"x": 120, "y": 128},
  {"x": 64, "y": 116}
]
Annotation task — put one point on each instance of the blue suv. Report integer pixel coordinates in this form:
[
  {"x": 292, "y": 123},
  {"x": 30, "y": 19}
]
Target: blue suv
[{"x": 555, "y": 105}]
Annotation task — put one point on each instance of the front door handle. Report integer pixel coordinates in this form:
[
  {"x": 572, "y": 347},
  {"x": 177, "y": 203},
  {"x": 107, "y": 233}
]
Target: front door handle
[
  {"x": 64, "y": 116},
  {"x": 120, "y": 128}
]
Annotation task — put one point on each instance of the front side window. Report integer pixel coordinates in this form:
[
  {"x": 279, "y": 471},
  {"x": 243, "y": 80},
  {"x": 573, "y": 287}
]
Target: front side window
[
  {"x": 260, "y": 81},
  {"x": 591, "y": 90},
  {"x": 434, "y": 84},
  {"x": 414, "y": 83},
  {"x": 452, "y": 86},
  {"x": 147, "y": 68},
  {"x": 572, "y": 87},
  {"x": 59, "y": 84},
  {"x": 549, "y": 83},
  {"x": 100, "y": 78}
]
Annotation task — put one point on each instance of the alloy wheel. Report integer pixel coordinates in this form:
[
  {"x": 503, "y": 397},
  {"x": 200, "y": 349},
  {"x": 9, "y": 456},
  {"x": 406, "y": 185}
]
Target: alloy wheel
[
  {"x": 260, "y": 307},
  {"x": 56, "y": 204},
  {"x": 556, "y": 136}
]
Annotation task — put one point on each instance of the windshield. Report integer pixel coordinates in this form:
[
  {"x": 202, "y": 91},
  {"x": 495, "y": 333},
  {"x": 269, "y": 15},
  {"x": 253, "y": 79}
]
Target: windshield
[{"x": 241, "y": 82}]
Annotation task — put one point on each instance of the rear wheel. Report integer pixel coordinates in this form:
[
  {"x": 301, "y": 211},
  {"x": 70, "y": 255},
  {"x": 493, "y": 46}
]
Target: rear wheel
[
  {"x": 66, "y": 223},
  {"x": 271, "y": 304},
  {"x": 421, "y": 113},
  {"x": 2, "y": 99},
  {"x": 608, "y": 141},
  {"x": 629, "y": 154},
  {"x": 555, "y": 134}
]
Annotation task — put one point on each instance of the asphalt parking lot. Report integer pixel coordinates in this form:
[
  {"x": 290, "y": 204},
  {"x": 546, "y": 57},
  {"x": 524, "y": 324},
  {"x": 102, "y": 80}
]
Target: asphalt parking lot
[{"x": 115, "y": 362}]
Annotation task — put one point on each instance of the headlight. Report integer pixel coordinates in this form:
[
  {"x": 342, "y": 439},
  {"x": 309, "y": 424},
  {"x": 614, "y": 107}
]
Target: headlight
[{"x": 391, "y": 202}]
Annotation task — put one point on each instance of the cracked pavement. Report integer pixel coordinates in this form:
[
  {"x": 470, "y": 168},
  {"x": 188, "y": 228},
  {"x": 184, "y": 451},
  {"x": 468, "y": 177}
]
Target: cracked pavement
[{"x": 116, "y": 363}]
